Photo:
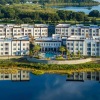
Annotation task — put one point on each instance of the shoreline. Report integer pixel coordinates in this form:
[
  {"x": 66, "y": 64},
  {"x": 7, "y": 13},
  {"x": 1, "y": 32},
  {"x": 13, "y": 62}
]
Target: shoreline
[
  {"x": 14, "y": 65},
  {"x": 73, "y": 4}
]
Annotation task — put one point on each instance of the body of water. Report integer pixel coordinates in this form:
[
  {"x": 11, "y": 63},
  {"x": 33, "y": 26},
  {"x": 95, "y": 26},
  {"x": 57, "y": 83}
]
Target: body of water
[
  {"x": 79, "y": 9},
  {"x": 52, "y": 87}
]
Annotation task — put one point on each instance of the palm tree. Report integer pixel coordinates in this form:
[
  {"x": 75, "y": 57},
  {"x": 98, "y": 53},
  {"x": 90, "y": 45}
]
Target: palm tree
[
  {"x": 68, "y": 53},
  {"x": 31, "y": 53},
  {"x": 62, "y": 49},
  {"x": 36, "y": 49}
]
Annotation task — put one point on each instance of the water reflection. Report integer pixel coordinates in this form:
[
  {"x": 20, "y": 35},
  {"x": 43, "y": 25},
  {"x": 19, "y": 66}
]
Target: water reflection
[
  {"x": 20, "y": 76},
  {"x": 83, "y": 76},
  {"x": 50, "y": 87}
]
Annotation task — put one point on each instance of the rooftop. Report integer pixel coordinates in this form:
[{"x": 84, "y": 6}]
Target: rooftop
[
  {"x": 41, "y": 25},
  {"x": 47, "y": 39},
  {"x": 77, "y": 26},
  {"x": 12, "y": 39}
]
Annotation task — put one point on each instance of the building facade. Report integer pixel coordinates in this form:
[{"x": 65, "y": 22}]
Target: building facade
[
  {"x": 40, "y": 31},
  {"x": 66, "y": 30},
  {"x": 16, "y": 31},
  {"x": 14, "y": 47},
  {"x": 48, "y": 44},
  {"x": 14, "y": 39},
  {"x": 86, "y": 46}
]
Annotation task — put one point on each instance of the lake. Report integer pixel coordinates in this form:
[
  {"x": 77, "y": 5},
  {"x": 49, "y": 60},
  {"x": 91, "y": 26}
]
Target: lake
[
  {"x": 79, "y": 86},
  {"x": 78, "y": 9}
]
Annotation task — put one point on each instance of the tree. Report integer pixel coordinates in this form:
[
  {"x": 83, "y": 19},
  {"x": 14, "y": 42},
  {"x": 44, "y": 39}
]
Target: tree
[
  {"x": 62, "y": 49},
  {"x": 93, "y": 20},
  {"x": 3, "y": 2},
  {"x": 18, "y": 21},
  {"x": 68, "y": 53},
  {"x": 31, "y": 53},
  {"x": 79, "y": 54},
  {"x": 27, "y": 20},
  {"x": 94, "y": 13},
  {"x": 36, "y": 49},
  {"x": 86, "y": 19},
  {"x": 73, "y": 54},
  {"x": 80, "y": 16}
]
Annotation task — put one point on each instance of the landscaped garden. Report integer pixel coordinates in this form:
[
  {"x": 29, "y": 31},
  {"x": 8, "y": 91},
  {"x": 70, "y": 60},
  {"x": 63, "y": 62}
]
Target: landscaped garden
[{"x": 62, "y": 54}]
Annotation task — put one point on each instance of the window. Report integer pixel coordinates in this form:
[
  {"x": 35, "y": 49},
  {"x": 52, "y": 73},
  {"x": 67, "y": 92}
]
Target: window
[
  {"x": 14, "y": 48},
  {"x": 1, "y": 48},
  {"x": 81, "y": 44},
  {"x": 77, "y": 44},
  {"x": 6, "y": 53},
  {"x": 14, "y": 44},
  {"x": 14, "y": 76},
  {"x": 6, "y": 49},
  {"x": 6, "y": 44},
  {"x": 23, "y": 44},
  {"x": 1, "y": 53},
  {"x": 1, "y": 76},
  {"x": 18, "y": 44},
  {"x": 81, "y": 48},
  {"x": 71, "y": 44},
  {"x": 23, "y": 48},
  {"x": 29, "y": 30}
]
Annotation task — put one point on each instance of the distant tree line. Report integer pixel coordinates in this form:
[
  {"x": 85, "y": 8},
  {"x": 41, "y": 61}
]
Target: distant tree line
[
  {"x": 46, "y": 1},
  {"x": 7, "y": 13}
]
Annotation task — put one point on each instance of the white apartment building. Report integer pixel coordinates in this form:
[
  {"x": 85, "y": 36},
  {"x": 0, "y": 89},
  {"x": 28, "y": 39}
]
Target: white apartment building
[
  {"x": 66, "y": 30},
  {"x": 87, "y": 46},
  {"x": 14, "y": 47},
  {"x": 40, "y": 30},
  {"x": 20, "y": 76},
  {"x": 14, "y": 39},
  {"x": 16, "y": 31},
  {"x": 49, "y": 43}
]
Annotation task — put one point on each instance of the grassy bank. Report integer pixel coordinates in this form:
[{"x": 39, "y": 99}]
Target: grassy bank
[{"x": 36, "y": 68}]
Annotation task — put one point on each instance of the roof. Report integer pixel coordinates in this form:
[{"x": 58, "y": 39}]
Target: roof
[
  {"x": 15, "y": 39},
  {"x": 47, "y": 39},
  {"x": 76, "y": 26}
]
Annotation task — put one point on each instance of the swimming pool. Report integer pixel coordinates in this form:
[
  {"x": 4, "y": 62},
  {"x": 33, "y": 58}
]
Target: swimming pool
[{"x": 48, "y": 55}]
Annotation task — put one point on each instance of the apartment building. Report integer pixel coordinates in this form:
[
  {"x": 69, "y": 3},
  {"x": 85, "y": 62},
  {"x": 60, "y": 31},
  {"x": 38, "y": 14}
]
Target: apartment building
[
  {"x": 87, "y": 46},
  {"x": 40, "y": 30},
  {"x": 14, "y": 47},
  {"x": 14, "y": 38},
  {"x": 49, "y": 43},
  {"x": 20, "y": 76},
  {"x": 66, "y": 30},
  {"x": 16, "y": 31}
]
